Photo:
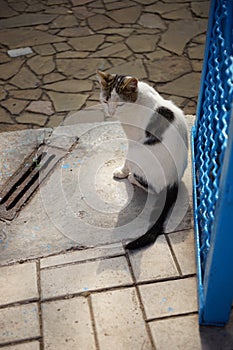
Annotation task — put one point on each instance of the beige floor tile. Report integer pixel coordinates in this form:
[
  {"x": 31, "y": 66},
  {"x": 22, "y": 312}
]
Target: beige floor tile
[
  {"x": 85, "y": 277},
  {"x": 34, "y": 345},
  {"x": 184, "y": 248},
  {"x": 67, "y": 325},
  {"x": 18, "y": 283},
  {"x": 119, "y": 321},
  {"x": 169, "y": 298},
  {"x": 176, "y": 333},
  {"x": 154, "y": 262},
  {"x": 81, "y": 255},
  {"x": 183, "y": 332},
  {"x": 19, "y": 323}
]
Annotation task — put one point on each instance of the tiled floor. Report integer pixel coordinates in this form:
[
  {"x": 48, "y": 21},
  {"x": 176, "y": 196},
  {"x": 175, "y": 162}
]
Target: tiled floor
[
  {"x": 107, "y": 298},
  {"x": 104, "y": 297}
]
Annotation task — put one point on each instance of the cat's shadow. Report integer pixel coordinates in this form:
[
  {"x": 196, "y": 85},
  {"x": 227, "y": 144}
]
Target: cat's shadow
[
  {"x": 143, "y": 210},
  {"x": 140, "y": 212}
]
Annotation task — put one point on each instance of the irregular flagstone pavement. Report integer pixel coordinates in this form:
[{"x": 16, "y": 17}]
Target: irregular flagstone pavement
[{"x": 161, "y": 42}]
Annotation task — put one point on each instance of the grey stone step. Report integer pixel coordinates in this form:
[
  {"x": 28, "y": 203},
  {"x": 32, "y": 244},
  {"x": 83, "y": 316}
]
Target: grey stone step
[{"x": 80, "y": 204}]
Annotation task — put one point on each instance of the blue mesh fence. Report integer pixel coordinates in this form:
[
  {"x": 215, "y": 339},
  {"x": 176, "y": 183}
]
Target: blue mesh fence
[{"x": 211, "y": 131}]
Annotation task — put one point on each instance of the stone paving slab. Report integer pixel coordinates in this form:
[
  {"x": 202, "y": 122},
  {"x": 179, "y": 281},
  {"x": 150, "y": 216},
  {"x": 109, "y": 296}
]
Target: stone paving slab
[
  {"x": 83, "y": 255},
  {"x": 19, "y": 323},
  {"x": 169, "y": 298},
  {"x": 183, "y": 332},
  {"x": 25, "y": 20},
  {"x": 191, "y": 81},
  {"x": 119, "y": 320},
  {"x": 179, "y": 33},
  {"x": 18, "y": 283},
  {"x": 67, "y": 325},
  {"x": 92, "y": 276},
  {"x": 23, "y": 37},
  {"x": 148, "y": 264},
  {"x": 183, "y": 246},
  {"x": 168, "y": 332}
]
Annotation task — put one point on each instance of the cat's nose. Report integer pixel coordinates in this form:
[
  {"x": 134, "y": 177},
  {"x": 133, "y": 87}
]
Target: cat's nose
[
  {"x": 111, "y": 109},
  {"x": 110, "y": 112}
]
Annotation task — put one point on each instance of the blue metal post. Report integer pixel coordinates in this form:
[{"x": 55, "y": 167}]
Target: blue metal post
[{"x": 218, "y": 276}]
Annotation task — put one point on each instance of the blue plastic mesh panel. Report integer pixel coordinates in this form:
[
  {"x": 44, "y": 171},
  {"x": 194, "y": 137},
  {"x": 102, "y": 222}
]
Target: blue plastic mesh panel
[{"x": 211, "y": 129}]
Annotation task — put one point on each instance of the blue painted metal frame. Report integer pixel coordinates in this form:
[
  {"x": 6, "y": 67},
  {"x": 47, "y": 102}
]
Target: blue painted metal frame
[
  {"x": 218, "y": 277},
  {"x": 200, "y": 291},
  {"x": 213, "y": 222}
]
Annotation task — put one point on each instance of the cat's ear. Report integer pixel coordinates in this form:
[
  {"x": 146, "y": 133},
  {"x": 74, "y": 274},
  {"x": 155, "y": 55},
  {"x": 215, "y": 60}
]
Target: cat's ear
[
  {"x": 102, "y": 77},
  {"x": 131, "y": 84}
]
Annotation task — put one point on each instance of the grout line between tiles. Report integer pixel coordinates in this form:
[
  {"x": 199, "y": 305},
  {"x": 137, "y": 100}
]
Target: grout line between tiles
[
  {"x": 39, "y": 306},
  {"x": 82, "y": 261},
  {"x": 173, "y": 255},
  {"x": 85, "y": 294},
  {"x": 18, "y": 303},
  {"x": 171, "y": 316},
  {"x": 141, "y": 303},
  {"x": 19, "y": 262},
  {"x": 89, "y": 301},
  {"x": 19, "y": 342}
]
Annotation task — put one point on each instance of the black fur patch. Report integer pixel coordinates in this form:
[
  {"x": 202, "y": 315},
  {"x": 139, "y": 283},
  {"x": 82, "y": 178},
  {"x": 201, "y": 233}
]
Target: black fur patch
[
  {"x": 152, "y": 131},
  {"x": 166, "y": 113},
  {"x": 158, "y": 228},
  {"x": 141, "y": 180},
  {"x": 157, "y": 125},
  {"x": 150, "y": 139}
]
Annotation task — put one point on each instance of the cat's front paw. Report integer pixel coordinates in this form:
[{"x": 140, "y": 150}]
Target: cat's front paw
[{"x": 121, "y": 173}]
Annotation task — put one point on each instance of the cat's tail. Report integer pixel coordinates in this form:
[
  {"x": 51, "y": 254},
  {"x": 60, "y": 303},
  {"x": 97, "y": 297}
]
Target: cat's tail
[{"x": 158, "y": 228}]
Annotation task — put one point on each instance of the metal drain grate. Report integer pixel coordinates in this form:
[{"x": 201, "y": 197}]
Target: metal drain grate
[{"x": 25, "y": 181}]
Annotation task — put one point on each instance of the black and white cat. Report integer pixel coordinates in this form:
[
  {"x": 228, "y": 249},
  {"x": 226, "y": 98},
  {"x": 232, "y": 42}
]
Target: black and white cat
[{"x": 157, "y": 141}]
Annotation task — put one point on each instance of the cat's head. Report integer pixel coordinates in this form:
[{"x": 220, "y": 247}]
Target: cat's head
[{"x": 116, "y": 90}]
